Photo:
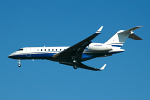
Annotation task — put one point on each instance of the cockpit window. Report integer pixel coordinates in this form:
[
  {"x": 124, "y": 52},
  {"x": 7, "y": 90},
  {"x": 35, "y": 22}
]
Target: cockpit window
[{"x": 20, "y": 50}]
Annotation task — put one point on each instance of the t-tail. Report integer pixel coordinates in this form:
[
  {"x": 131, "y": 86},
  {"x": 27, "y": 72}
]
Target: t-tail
[{"x": 121, "y": 36}]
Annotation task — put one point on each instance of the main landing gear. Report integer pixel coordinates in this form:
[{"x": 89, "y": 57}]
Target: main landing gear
[
  {"x": 74, "y": 63},
  {"x": 75, "y": 66},
  {"x": 19, "y": 64}
]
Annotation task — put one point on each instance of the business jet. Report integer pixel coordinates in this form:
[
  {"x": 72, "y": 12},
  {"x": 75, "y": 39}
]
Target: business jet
[{"x": 82, "y": 51}]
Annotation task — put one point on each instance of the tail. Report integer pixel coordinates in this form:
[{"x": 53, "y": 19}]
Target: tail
[{"x": 120, "y": 37}]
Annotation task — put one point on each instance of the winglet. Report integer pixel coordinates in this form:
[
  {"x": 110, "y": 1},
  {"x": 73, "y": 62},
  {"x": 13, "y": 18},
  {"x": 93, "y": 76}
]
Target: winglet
[
  {"x": 102, "y": 68},
  {"x": 132, "y": 29},
  {"x": 99, "y": 30}
]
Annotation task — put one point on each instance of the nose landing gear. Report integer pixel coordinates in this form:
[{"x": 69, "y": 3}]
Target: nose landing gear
[{"x": 19, "y": 64}]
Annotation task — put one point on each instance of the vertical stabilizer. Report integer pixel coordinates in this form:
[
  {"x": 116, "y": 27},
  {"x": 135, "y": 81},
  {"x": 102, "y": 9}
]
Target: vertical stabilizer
[{"x": 120, "y": 37}]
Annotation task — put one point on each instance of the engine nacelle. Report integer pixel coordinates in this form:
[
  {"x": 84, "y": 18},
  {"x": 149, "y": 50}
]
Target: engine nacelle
[{"x": 99, "y": 47}]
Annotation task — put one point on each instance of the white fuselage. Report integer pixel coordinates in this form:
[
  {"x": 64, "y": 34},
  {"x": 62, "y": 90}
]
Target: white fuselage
[{"x": 91, "y": 51}]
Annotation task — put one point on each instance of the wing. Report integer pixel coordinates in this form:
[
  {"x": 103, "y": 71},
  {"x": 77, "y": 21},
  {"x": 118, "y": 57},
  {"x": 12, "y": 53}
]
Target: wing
[
  {"x": 75, "y": 50},
  {"x": 80, "y": 65}
]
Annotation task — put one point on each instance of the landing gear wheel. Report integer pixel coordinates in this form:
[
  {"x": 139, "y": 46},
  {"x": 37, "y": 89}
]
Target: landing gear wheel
[
  {"x": 19, "y": 65},
  {"x": 75, "y": 67},
  {"x": 74, "y": 61}
]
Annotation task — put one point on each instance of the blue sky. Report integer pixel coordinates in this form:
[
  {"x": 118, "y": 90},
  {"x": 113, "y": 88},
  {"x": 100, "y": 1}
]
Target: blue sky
[{"x": 26, "y": 23}]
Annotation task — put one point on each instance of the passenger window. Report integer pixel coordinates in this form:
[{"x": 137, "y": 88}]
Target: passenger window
[
  {"x": 60, "y": 49},
  {"x": 41, "y": 49},
  {"x": 52, "y": 49},
  {"x": 48, "y": 49},
  {"x": 45, "y": 49},
  {"x": 56, "y": 49}
]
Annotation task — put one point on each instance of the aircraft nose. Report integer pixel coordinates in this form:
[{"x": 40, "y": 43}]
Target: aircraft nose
[{"x": 11, "y": 56}]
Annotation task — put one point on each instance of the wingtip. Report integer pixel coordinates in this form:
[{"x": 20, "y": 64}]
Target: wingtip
[
  {"x": 103, "y": 67},
  {"x": 99, "y": 30},
  {"x": 139, "y": 26}
]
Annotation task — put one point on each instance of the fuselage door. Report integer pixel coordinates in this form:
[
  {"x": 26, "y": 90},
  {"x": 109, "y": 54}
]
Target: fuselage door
[{"x": 28, "y": 52}]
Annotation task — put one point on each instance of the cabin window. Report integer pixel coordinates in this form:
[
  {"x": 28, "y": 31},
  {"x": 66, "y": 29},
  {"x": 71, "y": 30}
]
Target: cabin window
[
  {"x": 48, "y": 49},
  {"x": 60, "y": 49},
  {"x": 52, "y": 49},
  {"x": 45, "y": 49},
  {"x": 56, "y": 49},
  {"x": 41, "y": 49}
]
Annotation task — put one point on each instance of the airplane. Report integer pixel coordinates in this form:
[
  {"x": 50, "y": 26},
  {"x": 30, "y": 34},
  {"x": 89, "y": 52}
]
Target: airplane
[{"x": 82, "y": 51}]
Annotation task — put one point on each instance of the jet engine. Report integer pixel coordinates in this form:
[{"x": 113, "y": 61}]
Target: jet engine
[{"x": 99, "y": 47}]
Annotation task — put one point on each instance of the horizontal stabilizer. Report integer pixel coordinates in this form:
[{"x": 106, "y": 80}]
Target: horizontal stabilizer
[
  {"x": 134, "y": 37},
  {"x": 132, "y": 29}
]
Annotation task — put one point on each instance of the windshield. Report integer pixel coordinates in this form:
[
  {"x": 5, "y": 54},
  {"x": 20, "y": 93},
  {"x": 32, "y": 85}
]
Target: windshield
[{"x": 20, "y": 50}]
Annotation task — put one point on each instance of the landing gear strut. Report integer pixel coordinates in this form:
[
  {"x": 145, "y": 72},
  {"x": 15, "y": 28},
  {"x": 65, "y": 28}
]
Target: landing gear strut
[{"x": 19, "y": 64}]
